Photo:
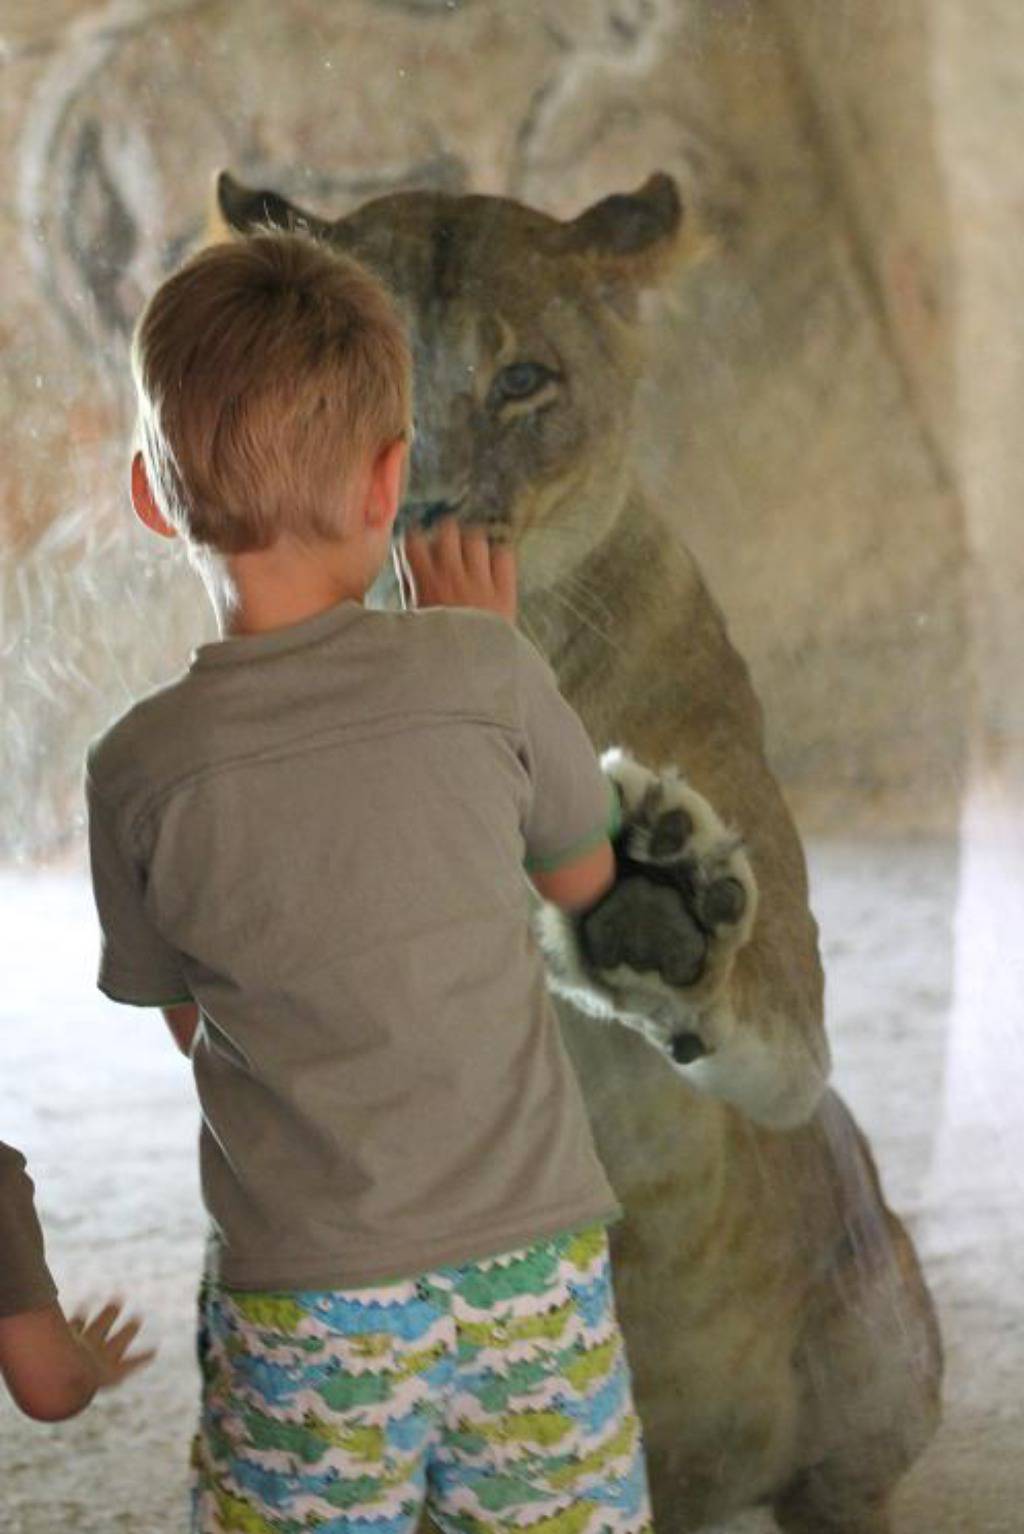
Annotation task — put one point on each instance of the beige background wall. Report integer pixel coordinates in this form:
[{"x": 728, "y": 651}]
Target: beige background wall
[
  {"x": 921, "y": 105},
  {"x": 826, "y": 390}
]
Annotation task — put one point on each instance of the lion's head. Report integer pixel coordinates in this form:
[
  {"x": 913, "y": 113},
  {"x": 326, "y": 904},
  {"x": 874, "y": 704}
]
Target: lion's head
[{"x": 524, "y": 335}]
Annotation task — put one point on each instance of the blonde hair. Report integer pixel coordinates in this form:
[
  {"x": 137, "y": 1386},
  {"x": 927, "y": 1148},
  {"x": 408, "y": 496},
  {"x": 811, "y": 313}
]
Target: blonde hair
[{"x": 268, "y": 372}]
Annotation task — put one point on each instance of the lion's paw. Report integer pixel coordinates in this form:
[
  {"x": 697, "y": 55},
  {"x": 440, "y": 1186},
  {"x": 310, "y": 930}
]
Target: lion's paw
[{"x": 660, "y": 945}]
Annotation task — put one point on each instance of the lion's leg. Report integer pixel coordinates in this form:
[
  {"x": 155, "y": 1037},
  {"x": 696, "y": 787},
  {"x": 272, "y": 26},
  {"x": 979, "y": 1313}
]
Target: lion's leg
[
  {"x": 874, "y": 1403},
  {"x": 816, "y": 1506},
  {"x": 869, "y": 1359}
]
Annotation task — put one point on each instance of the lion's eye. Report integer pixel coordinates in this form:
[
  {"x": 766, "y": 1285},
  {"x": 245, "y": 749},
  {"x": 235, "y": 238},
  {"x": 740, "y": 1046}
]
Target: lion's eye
[{"x": 520, "y": 380}]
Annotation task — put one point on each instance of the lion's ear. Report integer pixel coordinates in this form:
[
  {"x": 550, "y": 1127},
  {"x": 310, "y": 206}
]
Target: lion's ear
[
  {"x": 633, "y": 240},
  {"x": 238, "y": 210}
]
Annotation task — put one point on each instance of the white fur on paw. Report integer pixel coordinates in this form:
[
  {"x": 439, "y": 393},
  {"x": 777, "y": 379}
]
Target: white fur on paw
[{"x": 632, "y": 781}]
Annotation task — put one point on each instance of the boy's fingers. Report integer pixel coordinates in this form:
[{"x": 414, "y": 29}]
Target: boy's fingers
[
  {"x": 124, "y": 1368},
  {"x": 504, "y": 573},
  {"x": 119, "y": 1342},
  {"x": 503, "y": 562},
  {"x": 476, "y": 554},
  {"x": 136, "y": 1361},
  {"x": 448, "y": 549},
  {"x": 100, "y": 1324},
  {"x": 416, "y": 552}
]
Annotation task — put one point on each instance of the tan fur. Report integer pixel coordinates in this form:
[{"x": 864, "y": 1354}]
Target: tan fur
[{"x": 783, "y": 1343}]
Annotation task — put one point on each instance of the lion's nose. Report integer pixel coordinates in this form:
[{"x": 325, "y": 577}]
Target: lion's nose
[{"x": 422, "y": 515}]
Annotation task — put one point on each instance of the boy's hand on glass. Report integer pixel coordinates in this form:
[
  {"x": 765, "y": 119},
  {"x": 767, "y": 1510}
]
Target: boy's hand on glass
[
  {"x": 458, "y": 567},
  {"x": 108, "y": 1350}
]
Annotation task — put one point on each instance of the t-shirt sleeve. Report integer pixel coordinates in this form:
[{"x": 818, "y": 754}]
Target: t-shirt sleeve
[
  {"x": 25, "y": 1282},
  {"x": 136, "y": 964},
  {"x": 572, "y": 806}
]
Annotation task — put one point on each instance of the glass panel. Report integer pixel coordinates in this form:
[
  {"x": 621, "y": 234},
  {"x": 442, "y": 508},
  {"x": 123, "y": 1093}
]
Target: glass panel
[{"x": 715, "y": 317}]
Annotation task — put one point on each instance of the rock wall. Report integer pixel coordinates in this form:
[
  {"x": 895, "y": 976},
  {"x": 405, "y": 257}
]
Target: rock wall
[
  {"x": 979, "y": 67},
  {"x": 919, "y": 106},
  {"x": 801, "y": 426}
]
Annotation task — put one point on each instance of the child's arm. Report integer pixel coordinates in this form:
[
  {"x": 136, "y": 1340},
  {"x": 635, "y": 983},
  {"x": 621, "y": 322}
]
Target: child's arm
[
  {"x": 137, "y": 965},
  {"x": 458, "y": 567},
  {"x": 182, "y": 1020},
  {"x": 53, "y": 1367}
]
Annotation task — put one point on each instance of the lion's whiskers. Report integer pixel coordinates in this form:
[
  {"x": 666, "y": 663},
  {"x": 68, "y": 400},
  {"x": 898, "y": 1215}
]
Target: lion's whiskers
[{"x": 582, "y": 617}]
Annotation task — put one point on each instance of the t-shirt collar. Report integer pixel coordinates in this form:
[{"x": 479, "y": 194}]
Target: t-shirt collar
[{"x": 294, "y": 636}]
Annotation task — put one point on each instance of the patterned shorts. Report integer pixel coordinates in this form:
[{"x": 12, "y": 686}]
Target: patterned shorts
[{"x": 496, "y": 1393}]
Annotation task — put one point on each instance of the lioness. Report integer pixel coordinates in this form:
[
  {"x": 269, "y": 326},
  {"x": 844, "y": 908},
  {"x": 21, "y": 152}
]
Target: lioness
[{"x": 784, "y": 1345}]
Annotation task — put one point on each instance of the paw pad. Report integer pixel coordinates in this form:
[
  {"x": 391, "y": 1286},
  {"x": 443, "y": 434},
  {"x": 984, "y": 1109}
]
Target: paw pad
[
  {"x": 671, "y": 834},
  {"x": 723, "y": 901},
  {"x": 645, "y": 926}
]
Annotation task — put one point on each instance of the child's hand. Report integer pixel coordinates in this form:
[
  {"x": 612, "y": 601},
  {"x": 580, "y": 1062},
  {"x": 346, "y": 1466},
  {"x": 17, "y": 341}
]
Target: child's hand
[
  {"x": 108, "y": 1351},
  {"x": 458, "y": 567},
  {"x": 53, "y": 1367}
]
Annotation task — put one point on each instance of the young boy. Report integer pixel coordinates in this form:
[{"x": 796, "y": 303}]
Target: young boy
[
  {"x": 309, "y": 852},
  {"x": 52, "y": 1367}
]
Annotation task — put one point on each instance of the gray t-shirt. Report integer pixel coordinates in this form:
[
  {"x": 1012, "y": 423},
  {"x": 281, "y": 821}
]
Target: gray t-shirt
[
  {"x": 318, "y": 834},
  {"x": 25, "y": 1282}
]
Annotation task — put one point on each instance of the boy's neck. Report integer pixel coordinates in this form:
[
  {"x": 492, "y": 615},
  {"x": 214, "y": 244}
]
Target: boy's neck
[{"x": 286, "y": 584}]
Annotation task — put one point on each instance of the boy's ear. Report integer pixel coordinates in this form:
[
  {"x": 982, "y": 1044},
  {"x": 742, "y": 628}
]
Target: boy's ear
[
  {"x": 146, "y": 509},
  {"x": 387, "y": 482}
]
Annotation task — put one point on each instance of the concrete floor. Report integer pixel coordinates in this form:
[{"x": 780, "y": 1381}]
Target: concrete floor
[{"x": 103, "y": 1107}]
